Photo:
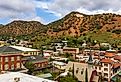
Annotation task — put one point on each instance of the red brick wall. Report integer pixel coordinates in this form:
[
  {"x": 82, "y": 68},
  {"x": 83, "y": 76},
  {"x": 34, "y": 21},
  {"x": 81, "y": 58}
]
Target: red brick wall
[
  {"x": 10, "y": 62},
  {"x": 41, "y": 64}
]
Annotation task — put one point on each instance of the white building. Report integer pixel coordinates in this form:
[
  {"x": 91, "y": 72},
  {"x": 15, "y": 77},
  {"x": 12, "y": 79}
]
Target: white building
[
  {"x": 80, "y": 71},
  {"x": 21, "y": 77},
  {"x": 27, "y": 51},
  {"x": 59, "y": 65},
  {"x": 109, "y": 66}
]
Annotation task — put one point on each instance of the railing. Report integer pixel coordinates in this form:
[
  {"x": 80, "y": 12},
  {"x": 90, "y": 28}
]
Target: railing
[{"x": 115, "y": 73}]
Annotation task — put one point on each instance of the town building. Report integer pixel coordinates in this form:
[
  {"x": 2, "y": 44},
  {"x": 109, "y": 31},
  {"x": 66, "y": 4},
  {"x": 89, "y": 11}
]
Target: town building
[
  {"x": 2, "y": 43},
  {"x": 27, "y": 51},
  {"x": 108, "y": 66},
  {"x": 25, "y": 44},
  {"x": 59, "y": 65},
  {"x": 71, "y": 50},
  {"x": 38, "y": 61},
  {"x": 80, "y": 71},
  {"x": 21, "y": 77},
  {"x": 13, "y": 57},
  {"x": 10, "y": 58}
]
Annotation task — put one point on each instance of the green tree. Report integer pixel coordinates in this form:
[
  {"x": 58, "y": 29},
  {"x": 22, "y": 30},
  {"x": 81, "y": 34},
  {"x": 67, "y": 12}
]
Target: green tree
[
  {"x": 30, "y": 66},
  {"x": 67, "y": 55},
  {"x": 118, "y": 79},
  {"x": 68, "y": 78}
]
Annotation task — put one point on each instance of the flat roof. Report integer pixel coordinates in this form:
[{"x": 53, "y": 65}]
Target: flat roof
[
  {"x": 10, "y": 76},
  {"x": 24, "y": 48}
]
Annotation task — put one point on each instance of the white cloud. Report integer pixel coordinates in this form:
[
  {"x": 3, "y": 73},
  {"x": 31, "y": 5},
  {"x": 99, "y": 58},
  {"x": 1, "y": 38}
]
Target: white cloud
[
  {"x": 62, "y": 7},
  {"x": 16, "y": 8},
  {"x": 19, "y": 10},
  {"x": 82, "y": 10},
  {"x": 25, "y": 9},
  {"x": 43, "y": 5}
]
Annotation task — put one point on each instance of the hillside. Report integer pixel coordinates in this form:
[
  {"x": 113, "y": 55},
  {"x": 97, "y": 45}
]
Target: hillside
[
  {"x": 102, "y": 27},
  {"x": 76, "y": 24},
  {"x": 17, "y": 28}
]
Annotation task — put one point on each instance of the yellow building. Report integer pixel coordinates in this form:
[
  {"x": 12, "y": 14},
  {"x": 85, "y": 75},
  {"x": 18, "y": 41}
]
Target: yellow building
[{"x": 27, "y": 51}]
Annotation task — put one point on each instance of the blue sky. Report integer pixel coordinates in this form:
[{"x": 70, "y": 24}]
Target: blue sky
[{"x": 47, "y": 11}]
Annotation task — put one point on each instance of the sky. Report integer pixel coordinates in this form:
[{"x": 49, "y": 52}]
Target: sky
[{"x": 47, "y": 11}]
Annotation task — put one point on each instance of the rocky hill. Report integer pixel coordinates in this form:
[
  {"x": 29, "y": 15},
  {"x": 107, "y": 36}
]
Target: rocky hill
[
  {"x": 76, "y": 24},
  {"x": 17, "y": 28},
  {"x": 100, "y": 26}
]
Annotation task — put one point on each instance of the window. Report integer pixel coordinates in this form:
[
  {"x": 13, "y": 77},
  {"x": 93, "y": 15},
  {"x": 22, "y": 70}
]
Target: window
[
  {"x": 100, "y": 73},
  {"x": 6, "y": 59},
  {"x": 106, "y": 65},
  {"x": 105, "y": 69},
  {"x": 1, "y": 59},
  {"x": 6, "y": 67},
  {"x": 18, "y": 65},
  {"x": 105, "y": 74},
  {"x": 1, "y": 66},
  {"x": 82, "y": 71},
  {"x": 99, "y": 68},
  {"x": 30, "y": 53},
  {"x": 95, "y": 67},
  {"x": 77, "y": 70},
  {"x": 25, "y": 52},
  {"x": 18, "y": 57},
  {"x": 12, "y": 66},
  {"x": 12, "y": 58}
]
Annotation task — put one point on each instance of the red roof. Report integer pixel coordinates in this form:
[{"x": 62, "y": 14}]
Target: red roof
[
  {"x": 115, "y": 65},
  {"x": 107, "y": 54},
  {"x": 107, "y": 61},
  {"x": 96, "y": 57},
  {"x": 117, "y": 57}
]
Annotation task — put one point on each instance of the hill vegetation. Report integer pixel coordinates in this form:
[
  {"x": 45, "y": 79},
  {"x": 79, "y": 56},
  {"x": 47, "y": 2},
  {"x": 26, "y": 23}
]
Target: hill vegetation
[{"x": 101, "y": 27}]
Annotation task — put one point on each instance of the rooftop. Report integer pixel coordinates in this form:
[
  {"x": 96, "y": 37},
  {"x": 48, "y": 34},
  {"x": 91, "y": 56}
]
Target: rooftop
[
  {"x": 117, "y": 57},
  {"x": 107, "y": 61},
  {"x": 23, "y": 48},
  {"x": 35, "y": 59},
  {"x": 13, "y": 49},
  {"x": 81, "y": 69},
  {"x": 12, "y": 76},
  {"x": 107, "y": 54},
  {"x": 6, "y": 49},
  {"x": 115, "y": 65}
]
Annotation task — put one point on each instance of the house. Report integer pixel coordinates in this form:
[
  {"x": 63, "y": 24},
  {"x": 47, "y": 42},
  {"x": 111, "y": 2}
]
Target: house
[
  {"x": 47, "y": 53},
  {"x": 59, "y": 44},
  {"x": 59, "y": 65},
  {"x": 80, "y": 71},
  {"x": 71, "y": 50},
  {"x": 104, "y": 44},
  {"x": 21, "y": 77},
  {"x": 10, "y": 59},
  {"x": 108, "y": 66},
  {"x": 2, "y": 43},
  {"x": 27, "y": 51},
  {"x": 84, "y": 45},
  {"x": 25, "y": 44},
  {"x": 38, "y": 61}
]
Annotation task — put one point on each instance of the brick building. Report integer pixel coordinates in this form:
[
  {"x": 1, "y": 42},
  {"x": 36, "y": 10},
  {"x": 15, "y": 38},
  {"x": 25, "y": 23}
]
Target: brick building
[
  {"x": 13, "y": 58},
  {"x": 10, "y": 58}
]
